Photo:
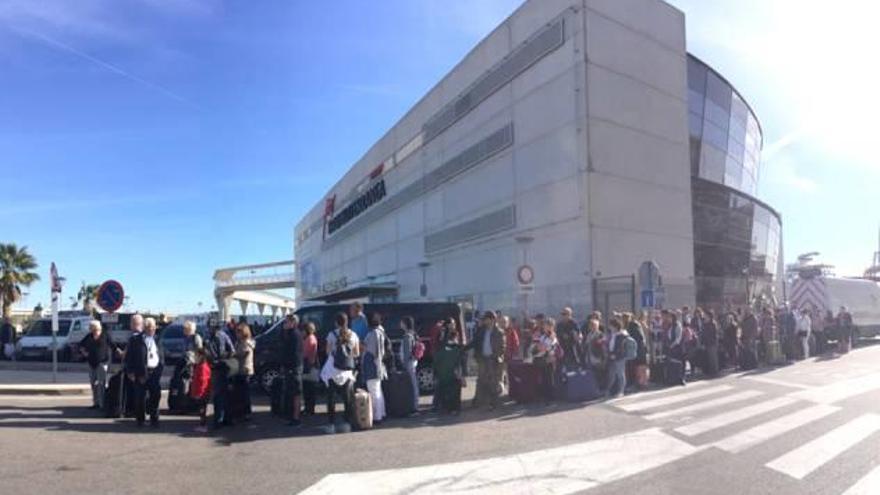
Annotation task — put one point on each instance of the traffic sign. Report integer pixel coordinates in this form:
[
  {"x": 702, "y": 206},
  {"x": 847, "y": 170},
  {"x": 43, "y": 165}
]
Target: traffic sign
[
  {"x": 110, "y": 296},
  {"x": 525, "y": 275}
]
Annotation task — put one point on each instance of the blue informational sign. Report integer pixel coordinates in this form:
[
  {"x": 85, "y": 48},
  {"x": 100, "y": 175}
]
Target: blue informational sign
[
  {"x": 110, "y": 296},
  {"x": 647, "y": 298}
]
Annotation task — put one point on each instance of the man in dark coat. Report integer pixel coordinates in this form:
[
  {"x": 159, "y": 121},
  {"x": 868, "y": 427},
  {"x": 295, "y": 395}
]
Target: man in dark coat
[
  {"x": 489, "y": 346},
  {"x": 135, "y": 366}
]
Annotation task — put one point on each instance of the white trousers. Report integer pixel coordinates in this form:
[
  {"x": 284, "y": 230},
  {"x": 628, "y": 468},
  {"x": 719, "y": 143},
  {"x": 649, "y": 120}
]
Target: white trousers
[
  {"x": 805, "y": 344},
  {"x": 374, "y": 388}
]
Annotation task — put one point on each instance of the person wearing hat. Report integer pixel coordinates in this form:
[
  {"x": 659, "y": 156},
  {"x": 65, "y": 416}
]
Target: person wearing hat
[{"x": 488, "y": 346}]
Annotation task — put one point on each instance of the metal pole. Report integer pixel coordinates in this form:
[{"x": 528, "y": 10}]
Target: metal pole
[{"x": 55, "y": 297}]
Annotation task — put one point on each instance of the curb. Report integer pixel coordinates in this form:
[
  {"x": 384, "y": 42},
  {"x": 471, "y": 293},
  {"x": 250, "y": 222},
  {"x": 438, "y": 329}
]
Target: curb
[{"x": 49, "y": 389}]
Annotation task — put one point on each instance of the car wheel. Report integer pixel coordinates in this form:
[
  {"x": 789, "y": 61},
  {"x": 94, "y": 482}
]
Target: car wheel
[
  {"x": 267, "y": 376},
  {"x": 425, "y": 376}
]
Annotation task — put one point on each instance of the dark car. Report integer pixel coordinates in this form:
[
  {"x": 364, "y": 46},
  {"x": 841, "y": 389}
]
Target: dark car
[
  {"x": 173, "y": 341},
  {"x": 426, "y": 315}
]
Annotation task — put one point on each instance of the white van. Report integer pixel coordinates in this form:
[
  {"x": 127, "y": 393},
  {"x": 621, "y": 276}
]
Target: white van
[
  {"x": 861, "y": 297},
  {"x": 37, "y": 340}
]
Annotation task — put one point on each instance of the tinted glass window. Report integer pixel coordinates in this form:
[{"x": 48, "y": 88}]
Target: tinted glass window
[{"x": 43, "y": 328}]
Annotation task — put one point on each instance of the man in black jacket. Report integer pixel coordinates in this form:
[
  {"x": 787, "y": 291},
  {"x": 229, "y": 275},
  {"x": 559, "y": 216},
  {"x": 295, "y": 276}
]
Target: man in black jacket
[
  {"x": 98, "y": 350},
  {"x": 218, "y": 350},
  {"x": 136, "y": 367},
  {"x": 290, "y": 356}
]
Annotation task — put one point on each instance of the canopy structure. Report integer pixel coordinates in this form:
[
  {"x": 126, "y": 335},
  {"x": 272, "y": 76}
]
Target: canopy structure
[{"x": 254, "y": 284}]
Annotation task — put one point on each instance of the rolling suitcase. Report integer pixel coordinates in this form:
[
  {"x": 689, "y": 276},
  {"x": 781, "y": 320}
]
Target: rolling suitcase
[
  {"x": 398, "y": 391},
  {"x": 235, "y": 409},
  {"x": 179, "y": 400},
  {"x": 658, "y": 372},
  {"x": 525, "y": 381},
  {"x": 278, "y": 401},
  {"x": 581, "y": 386},
  {"x": 673, "y": 374},
  {"x": 748, "y": 359},
  {"x": 363, "y": 409},
  {"x": 117, "y": 397}
]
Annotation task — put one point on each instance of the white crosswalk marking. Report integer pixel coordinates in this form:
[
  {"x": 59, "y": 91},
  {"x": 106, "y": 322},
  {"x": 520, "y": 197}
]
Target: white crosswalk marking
[
  {"x": 735, "y": 416},
  {"x": 560, "y": 470},
  {"x": 869, "y": 485},
  {"x": 842, "y": 390},
  {"x": 753, "y": 436},
  {"x": 702, "y": 406},
  {"x": 665, "y": 401},
  {"x": 805, "y": 459},
  {"x": 641, "y": 396}
]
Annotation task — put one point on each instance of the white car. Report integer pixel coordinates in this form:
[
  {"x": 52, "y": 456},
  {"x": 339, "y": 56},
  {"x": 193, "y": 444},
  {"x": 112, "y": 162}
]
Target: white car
[{"x": 37, "y": 340}]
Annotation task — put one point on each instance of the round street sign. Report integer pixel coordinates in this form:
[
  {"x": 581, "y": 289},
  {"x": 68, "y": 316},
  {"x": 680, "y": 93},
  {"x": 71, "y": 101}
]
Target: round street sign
[
  {"x": 110, "y": 296},
  {"x": 525, "y": 274}
]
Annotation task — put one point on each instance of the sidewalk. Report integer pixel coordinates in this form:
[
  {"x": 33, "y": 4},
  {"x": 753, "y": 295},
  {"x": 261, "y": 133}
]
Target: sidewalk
[{"x": 14, "y": 382}]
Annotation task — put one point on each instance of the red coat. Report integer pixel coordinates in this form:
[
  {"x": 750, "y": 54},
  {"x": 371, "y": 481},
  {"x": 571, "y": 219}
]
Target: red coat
[{"x": 512, "y": 338}]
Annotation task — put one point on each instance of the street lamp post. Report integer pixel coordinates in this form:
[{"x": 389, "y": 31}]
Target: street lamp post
[{"x": 423, "y": 289}]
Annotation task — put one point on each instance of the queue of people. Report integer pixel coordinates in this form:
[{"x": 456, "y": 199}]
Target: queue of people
[{"x": 372, "y": 379}]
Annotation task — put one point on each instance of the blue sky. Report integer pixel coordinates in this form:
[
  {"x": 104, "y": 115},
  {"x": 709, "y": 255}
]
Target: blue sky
[{"x": 154, "y": 141}]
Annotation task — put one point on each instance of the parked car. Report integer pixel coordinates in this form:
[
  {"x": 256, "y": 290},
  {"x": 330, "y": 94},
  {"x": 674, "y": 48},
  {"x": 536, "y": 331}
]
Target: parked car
[
  {"x": 173, "y": 342},
  {"x": 37, "y": 340},
  {"x": 426, "y": 315}
]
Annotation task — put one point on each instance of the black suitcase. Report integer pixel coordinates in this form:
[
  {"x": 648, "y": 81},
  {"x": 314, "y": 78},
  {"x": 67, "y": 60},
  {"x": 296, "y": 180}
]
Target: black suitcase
[
  {"x": 118, "y": 399},
  {"x": 179, "y": 400},
  {"x": 279, "y": 402},
  {"x": 398, "y": 391},
  {"x": 236, "y": 400},
  {"x": 673, "y": 372},
  {"x": 748, "y": 359}
]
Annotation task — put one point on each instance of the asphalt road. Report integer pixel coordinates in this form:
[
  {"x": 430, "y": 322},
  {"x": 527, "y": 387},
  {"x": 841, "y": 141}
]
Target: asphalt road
[{"x": 812, "y": 427}]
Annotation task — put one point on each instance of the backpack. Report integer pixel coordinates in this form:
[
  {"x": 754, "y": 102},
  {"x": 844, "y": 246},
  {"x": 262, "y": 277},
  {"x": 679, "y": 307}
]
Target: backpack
[
  {"x": 343, "y": 355},
  {"x": 418, "y": 350},
  {"x": 630, "y": 348}
]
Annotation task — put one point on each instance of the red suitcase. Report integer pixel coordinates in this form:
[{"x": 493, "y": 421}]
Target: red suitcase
[{"x": 526, "y": 380}]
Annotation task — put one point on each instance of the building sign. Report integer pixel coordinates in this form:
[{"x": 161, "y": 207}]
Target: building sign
[{"x": 357, "y": 207}]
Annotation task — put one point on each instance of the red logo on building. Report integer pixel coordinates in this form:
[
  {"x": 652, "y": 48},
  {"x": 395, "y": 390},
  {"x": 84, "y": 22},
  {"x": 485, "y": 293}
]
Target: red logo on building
[{"x": 329, "y": 206}]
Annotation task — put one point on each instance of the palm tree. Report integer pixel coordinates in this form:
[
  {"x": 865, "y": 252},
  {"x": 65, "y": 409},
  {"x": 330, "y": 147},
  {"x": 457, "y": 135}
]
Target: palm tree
[
  {"x": 16, "y": 265},
  {"x": 86, "y": 295}
]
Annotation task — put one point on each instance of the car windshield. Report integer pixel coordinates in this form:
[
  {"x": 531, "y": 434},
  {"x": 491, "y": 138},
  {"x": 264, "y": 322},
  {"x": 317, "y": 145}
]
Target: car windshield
[
  {"x": 172, "y": 332},
  {"x": 43, "y": 328}
]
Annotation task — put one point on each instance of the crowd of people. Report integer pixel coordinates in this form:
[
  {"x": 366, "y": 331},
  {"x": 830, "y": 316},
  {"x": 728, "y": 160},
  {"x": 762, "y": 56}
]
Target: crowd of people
[{"x": 622, "y": 354}]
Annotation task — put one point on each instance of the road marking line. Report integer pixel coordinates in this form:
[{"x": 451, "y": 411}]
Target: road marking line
[
  {"x": 869, "y": 485},
  {"x": 709, "y": 404},
  {"x": 773, "y": 381},
  {"x": 836, "y": 392},
  {"x": 753, "y": 436},
  {"x": 807, "y": 458},
  {"x": 559, "y": 470},
  {"x": 663, "y": 391},
  {"x": 734, "y": 416},
  {"x": 665, "y": 401}
]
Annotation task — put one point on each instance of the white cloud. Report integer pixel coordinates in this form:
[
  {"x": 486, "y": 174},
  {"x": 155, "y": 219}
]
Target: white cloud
[{"x": 783, "y": 171}]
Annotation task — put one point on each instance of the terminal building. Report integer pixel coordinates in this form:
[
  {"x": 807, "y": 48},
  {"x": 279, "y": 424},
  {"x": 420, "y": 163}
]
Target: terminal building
[{"x": 578, "y": 140}]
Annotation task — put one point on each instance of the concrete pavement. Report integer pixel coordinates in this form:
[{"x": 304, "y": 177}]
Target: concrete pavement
[{"x": 807, "y": 428}]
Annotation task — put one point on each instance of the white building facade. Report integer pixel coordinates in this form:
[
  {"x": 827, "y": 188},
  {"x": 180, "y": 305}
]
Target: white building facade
[{"x": 560, "y": 142}]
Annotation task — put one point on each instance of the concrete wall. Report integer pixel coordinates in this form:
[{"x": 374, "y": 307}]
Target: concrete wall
[{"x": 639, "y": 181}]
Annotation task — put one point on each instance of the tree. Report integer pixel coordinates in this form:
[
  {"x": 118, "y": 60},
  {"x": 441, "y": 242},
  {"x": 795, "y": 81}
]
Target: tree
[
  {"x": 16, "y": 272},
  {"x": 86, "y": 295}
]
